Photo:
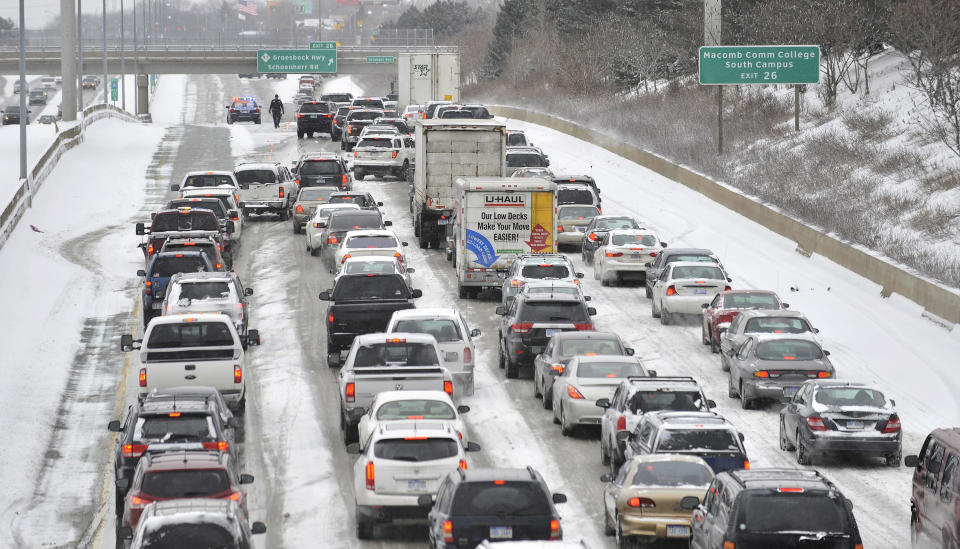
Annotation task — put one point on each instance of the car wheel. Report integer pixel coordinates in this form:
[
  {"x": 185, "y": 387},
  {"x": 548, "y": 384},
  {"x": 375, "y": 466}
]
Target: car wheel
[
  {"x": 299, "y": 134},
  {"x": 724, "y": 365},
  {"x": 785, "y": 444},
  {"x": 893, "y": 460},
  {"x": 745, "y": 403},
  {"x": 310, "y": 135},
  {"x": 703, "y": 334},
  {"x": 803, "y": 455},
  {"x": 664, "y": 316},
  {"x": 714, "y": 346},
  {"x": 500, "y": 359},
  {"x": 607, "y": 527},
  {"x": 257, "y": 121},
  {"x": 915, "y": 538},
  {"x": 118, "y": 504},
  {"x": 604, "y": 458},
  {"x": 731, "y": 392},
  {"x": 565, "y": 428},
  {"x": 364, "y": 527},
  {"x": 513, "y": 369},
  {"x": 621, "y": 541},
  {"x": 585, "y": 257},
  {"x": 404, "y": 170},
  {"x": 284, "y": 214},
  {"x": 315, "y": 252},
  {"x": 647, "y": 291},
  {"x": 653, "y": 309},
  {"x": 536, "y": 386},
  {"x": 547, "y": 398}
]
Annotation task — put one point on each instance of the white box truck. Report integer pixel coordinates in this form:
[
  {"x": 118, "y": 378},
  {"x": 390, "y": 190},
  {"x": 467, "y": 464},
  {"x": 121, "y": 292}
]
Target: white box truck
[
  {"x": 497, "y": 220},
  {"x": 448, "y": 149},
  {"x": 426, "y": 77}
]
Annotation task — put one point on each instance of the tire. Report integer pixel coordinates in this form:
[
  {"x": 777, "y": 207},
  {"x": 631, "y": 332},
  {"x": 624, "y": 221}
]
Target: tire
[
  {"x": 785, "y": 444},
  {"x": 893, "y": 460},
  {"x": 915, "y": 537},
  {"x": 404, "y": 170},
  {"x": 359, "y": 174},
  {"x": 350, "y": 432},
  {"x": 424, "y": 243},
  {"x": 536, "y": 387},
  {"x": 647, "y": 291},
  {"x": 653, "y": 310},
  {"x": 565, "y": 430},
  {"x": 257, "y": 121},
  {"x": 500, "y": 359},
  {"x": 587, "y": 258},
  {"x": 547, "y": 399},
  {"x": 229, "y": 120},
  {"x": 284, "y": 214},
  {"x": 664, "y": 316},
  {"x": 607, "y": 527},
  {"x": 513, "y": 369},
  {"x": 463, "y": 292},
  {"x": 724, "y": 365},
  {"x": 315, "y": 252},
  {"x": 364, "y": 527},
  {"x": 714, "y": 346},
  {"x": 731, "y": 392},
  {"x": 310, "y": 135},
  {"x": 604, "y": 460},
  {"x": 703, "y": 335},
  {"x": 299, "y": 134},
  {"x": 803, "y": 457},
  {"x": 334, "y": 137},
  {"x": 296, "y": 228},
  {"x": 118, "y": 504},
  {"x": 745, "y": 403}
]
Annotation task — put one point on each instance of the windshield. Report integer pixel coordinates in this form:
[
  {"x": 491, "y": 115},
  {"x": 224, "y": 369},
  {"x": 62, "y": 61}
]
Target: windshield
[
  {"x": 516, "y": 160},
  {"x": 578, "y": 212},
  {"x": 320, "y": 167},
  {"x": 697, "y": 440},
  {"x": 255, "y": 176},
  {"x": 574, "y": 196},
  {"x": 651, "y": 401},
  {"x": 788, "y": 349},
  {"x": 634, "y": 240},
  {"x": 189, "y": 535},
  {"x": 416, "y": 409},
  {"x": 181, "y": 428},
  {"x": 371, "y": 242},
  {"x": 314, "y": 107},
  {"x": 184, "y": 221},
  {"x": 750, "y": 301},
  {"x": 208, "y": 180},
  {"x": 579, "y": 347},
  {"x": 617, "y": 223},
  {"x": 554, "y": 311},
  {"x": 609, "y": 370},
  {"x": 776, "y": 325},
  {"x": 545, "y": 270},
  {"x": 204, "y": 290},
  {"x": 185, "y": 484},
  {"x": 370, "y": 287},
  {"x": 344, "y": 222},
  {"x": 713, "y": 273},
  {"x": 375, "y": 143},
  {"x": 316, "y": 194},
  {"x": 400, "y": 354},
  {"x": 416, "y": 450},
  {"x": 518, "y": 498},
  {"x": 672, "y": 473},
  {"x": 337, "y": 97},
  {"x": 849, "y": 396},
  {"x": 442, "y": 329},
  {"x": 190, "y": 334},
  {"x": 167, "y": 266},
  {"x": 793, "y": 512}
]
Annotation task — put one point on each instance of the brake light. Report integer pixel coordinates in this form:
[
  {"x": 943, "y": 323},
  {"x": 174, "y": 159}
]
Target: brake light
[
  {"x": 350, "y": 392},
  {"x": 653, "y": 254},
  {"x": 467, "y": 355},
  {"x": 220, "y": 445},
  {"x": 893, "y": 425},
  {"x": 281, "y": 192},
  {"x": 824, "y": 374},
  {"x": 557, "y": 368},
  {"x": 343, "y": 179},
  {"x": 761, "y": 373},
  {"x": 371, "y": 476},
  {"x": 522, "y": 327},
  {"x": 559, "y": 228},
  {"x": 237, "y": 374},
  {"x": 574, "y": 393},
  {"x": 299, "y": 115},
  {"x": 729, "y": 545},
  {"x": 642, "y": 503},
  {"x": 331, "y": 239},
  {"x": 447, "y": 531},
  {"x": 788, "y": 490},
  {"x": 355, "y": 155},
  {"x": 746, "y": 464},
  {"x": 554, "y": 529},
  {"x": 143, "y": 377},
  {"x": 150, "y": 249},
  {"x": 236, "y": 496},
  {"x": 448, "y": 388},
  {"x": 330, "y": 318},
  {"x": 394, "y": 154},
  {"x": 133, "y": 450},
  {"x": 140, "y": 501},
  {"x": 345, "y": 257},
  {"x": 316, "y": 225},
  {"x": 815, "y": 423},
  {"x": 592, "y": 236},
  {"x": 463, "y": 465},
  {"x": 671, "y": 291},
  {"x": 299, "y": 209},
  {"x": 622, "y": 423},
  {"x": 399, "y": 256},
  {"x": 614, "y": 254},
  {"x": 582, "y": 327}
]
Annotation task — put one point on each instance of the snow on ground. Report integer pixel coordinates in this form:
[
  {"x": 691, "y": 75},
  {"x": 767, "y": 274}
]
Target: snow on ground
[
  {"x": 39, "y": 137},
  {"x": 166, "y": 105}
]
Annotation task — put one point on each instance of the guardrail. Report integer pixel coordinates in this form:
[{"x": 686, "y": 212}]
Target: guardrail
[
  {"x": 65, "y": 140},
  {"x": 938, "y": 300}
]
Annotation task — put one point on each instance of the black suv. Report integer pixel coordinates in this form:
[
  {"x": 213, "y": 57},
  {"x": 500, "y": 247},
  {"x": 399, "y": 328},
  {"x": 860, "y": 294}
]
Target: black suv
[
  {"x": 531, "y": 320},
  {"x": 492, "y": 504},
  {"x": 324, "y": 170},
  {"x": 168, "y": 422},
  {"x": 784, "y": 508},
  {"x": 314, "y": 116}
]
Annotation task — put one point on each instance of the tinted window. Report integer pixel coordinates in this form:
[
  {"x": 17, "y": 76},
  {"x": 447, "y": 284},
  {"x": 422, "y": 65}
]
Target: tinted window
[
  {"x": 516, "y": 160},
  {"x": 366, "y": 267},
  {"x": 190, "y": 334},
  {"x": 574, "y": 196},
  {"x": 689, "y": 257},
  {"x": 166, "y": 266},
  {"x": 370, "y": 287},
  {"x": 416, "y": 450},
  {"x": 371, "y": 242},
  {"x": 204, "y": 290},
  {"x": 620, "y": 223},
  {"x": 713, "y": 273},
  {"x": 697, "y": 440},
  {"x": 578, "y": 347},
  {"x": 318, "y": 194},
  {"x": 650, "y": 401},
  {"x": 457, "y": 114},
  {"x": 401, "y": 354},
  {"x": 416, "y": 409},
  {"x": 442, "y": 329},
  {"x": 337, "y": 97},
  {"x": 365, "y": 115},
  {"x": 516, "y": 140},
  {"x": 510, "y": 498},
  {"x": 634, "y": 239},
  {"x": 546, "y": 311},
  {"x": 796, "y": 512},
  {"x": 608, "y": 369},
  {"x": 788, "y": 350},
  {"x": 849, "y": 396},
  {"x": 578, "y": 212},
  {"x": 561, "y": 290},
  {"x": 185, "y": 484},
  {"x": 376, "y": 103},
  {"x": 183, "y": 428},
  {"x": 190, "y": 536},
  {"x": 341, "y": 221},
  {"x": 256, "y": 176},
  {"x": 751, "y": 301},
  {"x": 214, "y": 206},
  {"x": 186, "y": 221},
  {"x": 672, "y": 473},
  {"x": 314, "y": 107},
  {"x": 776, "y": 325},
  {"x": 320, "y": 167},
  {"x": 545, "y": 271},
  {"x": 375, "y": 143}
]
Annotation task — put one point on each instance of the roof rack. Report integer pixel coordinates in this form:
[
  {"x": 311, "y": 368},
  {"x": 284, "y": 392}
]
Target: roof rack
[{"x": 532, "y": 471}]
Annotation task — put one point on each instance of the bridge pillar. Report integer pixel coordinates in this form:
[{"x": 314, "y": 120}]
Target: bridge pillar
[
  {"x": 143, "y": 91},
  {"x": 68, "y": 59}
]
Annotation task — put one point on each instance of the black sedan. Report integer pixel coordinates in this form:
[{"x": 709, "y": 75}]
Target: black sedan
[{"x": 840, "y": 417}]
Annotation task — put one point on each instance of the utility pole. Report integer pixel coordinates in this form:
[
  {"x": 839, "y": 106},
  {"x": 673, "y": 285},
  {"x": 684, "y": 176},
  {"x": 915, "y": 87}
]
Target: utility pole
[
  {"x": 80, "y": 57},
  {"x": 123, "y": 65},
  {"x": 105, "y": 81},
  {"x": 136, "y": 62},
  {"x": 23, "y": 100},
  {"x": 711, "y": 37}
]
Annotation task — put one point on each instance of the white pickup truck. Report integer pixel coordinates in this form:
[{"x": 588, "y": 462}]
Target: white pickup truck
[
  {"x": 193, "y": 350},
  {"x": 388, "y": 362},
  {"x": 266, "y": 187}
]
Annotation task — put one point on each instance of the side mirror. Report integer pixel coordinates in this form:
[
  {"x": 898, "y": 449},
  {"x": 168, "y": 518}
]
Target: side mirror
[
  {"x": 114, "y": 426},
  {"x": 379, "y": 203},
  {"x": 651, "y": 373},
  {"x": 729, "y": 279},
  {"x": 603, "y": 403},
  {"x": 253, "y": 337},
  {"x": 559, "y": 498},
  {"x": 473, "y": 447},
  {"x": 125, "y": 533},
  {"x": 663, "y": 244},
  {"x": 388, "y": 223},
  {"x": 689, "y": 503},
  {"x": 244, "y": 186},
  {"x": 416, "y": 294},
  {"x": 126, "y": 343},
  {"x": 911, "y": 461},
  {"x": 826, "y": 353},
  {"x": 711, "y": 404},
  {"x": 816, "y": 330},
  {"x": 227, "y": 107},
  {"x": 462, "y": 409},
  {"x": 786, "y": 305},
  {"x": 704, "y": 305},
  {"x": 629, "y": 351},
  {"x": 587, "y": 298},
  {"x": 321, "y": 224},
  {"x": 607, "y": 477},
  {"x": 174, "y": 187},
  {"x": 141, "y": 272},
  {"x": 246, "y": 479},
  {"x": 893, "y": 402},
  {"x": 591, "y": 311},
  {"x": 579, "y": 275},
  {"x": 411, "y": 270},
  {"x": 741, "y": 436},
  {"x": 123, "y": 484},
  {"x": 353, "y": 448},
  {"x": 231, "y": 227},
  {"x": 425, "y": 500},
  {"x": 474, "y": 332},
  {"x": 624, "y": 436},
  {"x": 140, "y": 229},
  {"x": 248, "y": 292},
  {"x": 233, "y": 213},
  {"x": 500, "y": 311},
  {"x": 404, "y": 243},
  {"x": 258, "y": 528},
  {"x": 325, "y": 295}
]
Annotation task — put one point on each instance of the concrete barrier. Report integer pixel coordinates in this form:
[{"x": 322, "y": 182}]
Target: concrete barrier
[
  {"x": 938, "y": 300},
  {"x": 65, "y": 140}
]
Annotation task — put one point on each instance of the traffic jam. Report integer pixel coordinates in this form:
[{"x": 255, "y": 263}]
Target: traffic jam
[{"x": 526, "y": 246}]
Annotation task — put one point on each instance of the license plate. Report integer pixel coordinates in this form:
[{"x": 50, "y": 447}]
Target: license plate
[
  {"x": 313, "y": 116},
  {"x": 790, "y": 391},
  {"x": 699, "y": 291},
  {"x": 156, "y": 305},
  {"x": 416, "y": 485},
  {"x": 551, "y": 331},
  {"x": 444, "y": 221},
  {"x": 678, "y": 531},
  {"x": 854, "y": 424},
  {"x": 501, "y": 532}
]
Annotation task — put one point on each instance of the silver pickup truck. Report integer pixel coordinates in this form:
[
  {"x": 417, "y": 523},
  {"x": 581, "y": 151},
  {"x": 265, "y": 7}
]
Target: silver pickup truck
[
  {"x": 266, "y": 188},
  {"x": 388, "y": 362}
]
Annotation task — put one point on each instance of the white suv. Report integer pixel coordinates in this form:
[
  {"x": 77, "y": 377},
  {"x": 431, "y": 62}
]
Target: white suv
[
  {"x": 453, "y": 336},
  {"x": 403, "y": 460},
  {"x": 383, "y": 155},
  {"x": 215, "y": 292}
]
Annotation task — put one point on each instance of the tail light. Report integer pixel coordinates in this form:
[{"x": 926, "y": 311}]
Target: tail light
[
  {"x": 298, "y": 181},
  {"x": 399, "y": 256},
  {"x": 622, "y": 423},
  {"x": 220, "y": 445},
  {"x": 467, "y": 355},
  {"x": 761, "y": 373},
  {"x": 148, "y": 283},
  {"x": 641, "y": 503},
  {"x": 824, "y": 374},
  {"x": 299, "y": 209},
  {"x": 133, "y": 450},
  {"x": 522, "y": 327},
  {"x": 583, "y": 327},
  {"x": 370, "y": 475},
  {"x": 316, "y": 225},
  {"x": 463, "y": 465},
  {"x": 343, "y": 179},
  {"x": 448, "y": 388},
  {"x": 653, "y": 254},
  {"x": 614, "y": 254},
  {"x": 559, "y": 228},
  {"x": 140, "y": 501},
  {"x": 299, "y": 115},
  {"x": 592, "y": 236},
  {"x": 447, "y": 531},
  {"x": 331, "y": 239},
  {"x": 815, "y": 423},
  {"x": 345, "y": 257},
  {"x": 280, "y": 192},
  {"x": 893, "y": 425},
  {"x": 256, "y": 110},
  {"x": 330, "y": 318},
  {"x": 350, "y": 392},
  {"x": 355, "y": 155},
  {"x": 726, "y": 317},
  {"x": 574, "y": 393},
  {"x": 746, "y": 464},
  {"x": 557, "y": 368},
  {"x": 151, "y": 250},
  {"x": 727, "y": 544},
  {"x": 143, "y": 377},
  {"x": 671, "y": 290},
  {"x": 233, "y": 110},
  {"x": 237, "y": 374},
  {"x": 394, "y": 154},
  {"x": 554, "y": 529},
  {"x": 236, "y": 496}
]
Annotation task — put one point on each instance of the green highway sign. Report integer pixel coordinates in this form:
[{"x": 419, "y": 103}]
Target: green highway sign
[
  {"x": 114, "y": 84},
  {"x": 759, "y": 65},
  {"x": 379, "y": 59},
  {"x": 284, "y": 61},
  {"x": 323, "y": 45}
]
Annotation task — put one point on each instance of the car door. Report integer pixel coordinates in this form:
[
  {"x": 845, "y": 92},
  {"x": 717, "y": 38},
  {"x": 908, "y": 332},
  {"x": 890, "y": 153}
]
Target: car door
[
  {"x": 440, "y": 511},
  {"x": 661, "y": 287},
  {"x": 598, "y": 254},
  {"x": 611, "y": 492},
  {"x": 931, "y": 463},
  {"x": 710, "y": 314},
  {"x": 704, "y": 517},
  {"x": 945, "y": 506},
  {"x": 793, "y": 411},
  {"x": 740, "y": 362},
  {"x": 728, "y": 338},
  {"x": 544, "y": 360},
  {"x": 608, "y": 421}
]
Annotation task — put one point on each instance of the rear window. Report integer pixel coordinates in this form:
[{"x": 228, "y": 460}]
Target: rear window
[
  {"x": 208, "y": 180},
  {"x": 690, "y": 257},
  {"x": 651, "y": 401},
  {"x": 545, "y": 271},
  {"x": 415, "y": 409},
  {"x": 634, "y": 240},
  {"x": 792, "y": 512},
  {"x": 525, "y": 160},
  {"x": 316, "y": 194},
  {"x": 776, "y": 325},
  {"x": 562, "y": 290},
  {"x": 204, "y": 290},
  {"x": 442, "y": 329},
  {"x": 580, "y": 347},
  {"x": 712, "y": 273},
  {"x": 370, "y": 287},
  {"x": 325, "y": 213},
  {"x": 849, "y": 396},
  {"x": 519, "y": 498},
  {"x": 788, "y": 350},
  {"x": 166, "y": 429},
  {"x": 574, "y": 196},
  {"x": 399, "y": 354},
  {"x": 190, "y": 334},
  {"x": 359, "y": 115},
  {"x": 371, "y": 242},
  {"x": 337, "y": 97},
  {"x": 320, "y": 167},
  {"x": 185, "y": 484},
  {"x": 375, "y": 267},
  {"x": 546, "y": 311},
  {"x": 314, "y": 107},
  {"x": 357, "y": 199},
  {"x": 255, "y": 176},
  {"x": 516, "y": 140},
  {"x": 244, "y": 105},
  {"x": 457, "y": 114},
  {"x": 187, "y": 221},
  {"x": 416, "y": 450},
  {"x": 621, "y": 223},
  {"x": 697, "y": 440},
  {"x": 751, "y": 301},
  {"x": 352, "y": 221},
  {"x": 672, "y": 473},
  {"x": 609, "y": 369},
  {"x": 214, "y": 205},
  {"x": 376, "y": 143},
  {"x": 189, "y": 535},
  {"x": 167, "y": 266},
  {"x": 578, "y": 212},
  {"x": 375, "y": 103},
  {"x": 399, "y": 124}
]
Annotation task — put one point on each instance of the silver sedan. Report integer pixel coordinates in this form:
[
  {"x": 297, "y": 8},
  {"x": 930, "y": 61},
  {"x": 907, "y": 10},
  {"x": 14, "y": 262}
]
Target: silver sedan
[
  {"x": 587, "y": 379},
  {"x": 774, "y": 366}
]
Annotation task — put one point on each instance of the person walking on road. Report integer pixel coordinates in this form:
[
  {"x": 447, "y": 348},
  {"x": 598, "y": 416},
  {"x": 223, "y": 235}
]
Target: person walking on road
[{"x": 276, "y": 109}]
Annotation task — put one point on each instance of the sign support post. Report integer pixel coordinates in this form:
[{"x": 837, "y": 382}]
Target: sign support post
[
  {"x": 796, "y": 107},
  {"x": 712, "y": 10}
]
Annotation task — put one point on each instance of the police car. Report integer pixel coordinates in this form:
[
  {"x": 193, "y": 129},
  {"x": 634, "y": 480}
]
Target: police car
[{"x": 243, "y": 108}]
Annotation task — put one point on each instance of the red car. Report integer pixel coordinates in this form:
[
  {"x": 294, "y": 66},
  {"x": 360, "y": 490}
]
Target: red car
[
  {"x": 720, "y": 312},
  {"x": 182, "y": 474}
]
